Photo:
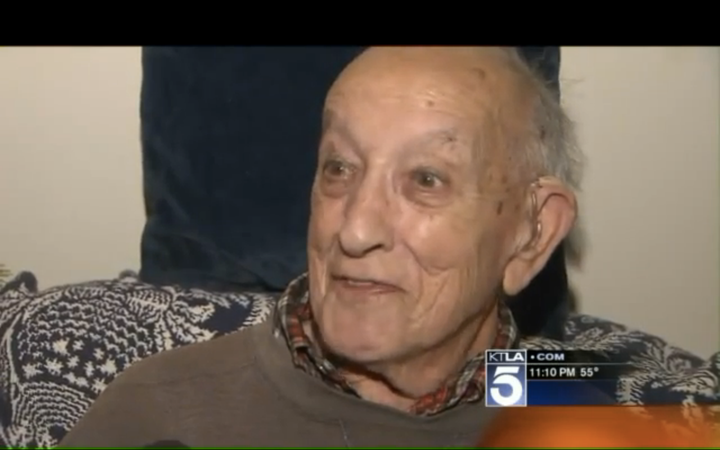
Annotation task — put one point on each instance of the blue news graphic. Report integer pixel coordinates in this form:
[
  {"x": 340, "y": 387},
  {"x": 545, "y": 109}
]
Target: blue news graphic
[
  {"x": 548, "y": 377},
  {"x": 570, "y": 392},
  {"x": 506, "y": 377}
]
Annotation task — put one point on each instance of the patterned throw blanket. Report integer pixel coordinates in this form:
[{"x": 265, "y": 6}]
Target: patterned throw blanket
[{"x": 61, "y": 347}]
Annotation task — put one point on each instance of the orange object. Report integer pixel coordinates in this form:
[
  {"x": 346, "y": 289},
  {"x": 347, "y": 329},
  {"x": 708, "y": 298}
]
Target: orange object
[{"x": 592, "y": 426}]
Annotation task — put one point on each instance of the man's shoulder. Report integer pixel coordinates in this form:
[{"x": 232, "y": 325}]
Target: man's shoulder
[
  {"x": 163, "y": 395},
  {"x": 230, "y": 354},
  {"x": 653, "y": 371}
]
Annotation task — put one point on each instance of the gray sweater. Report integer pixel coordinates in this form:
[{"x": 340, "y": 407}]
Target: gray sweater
[{"x": 243, "y": 390}]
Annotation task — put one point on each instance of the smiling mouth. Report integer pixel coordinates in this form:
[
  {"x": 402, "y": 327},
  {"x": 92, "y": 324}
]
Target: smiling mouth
[{"x": 364, "y": 284}]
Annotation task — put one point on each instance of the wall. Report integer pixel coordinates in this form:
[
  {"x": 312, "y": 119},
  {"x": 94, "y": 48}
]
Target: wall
[
  {"x": 70, "y": 169},
  {"x": 649, "y": 122},
  {"x": 71, "y": 199}
]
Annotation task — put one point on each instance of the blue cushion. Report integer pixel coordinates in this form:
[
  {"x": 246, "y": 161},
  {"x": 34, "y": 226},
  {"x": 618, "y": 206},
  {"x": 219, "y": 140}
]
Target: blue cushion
[{"x": 229, "y": 139}]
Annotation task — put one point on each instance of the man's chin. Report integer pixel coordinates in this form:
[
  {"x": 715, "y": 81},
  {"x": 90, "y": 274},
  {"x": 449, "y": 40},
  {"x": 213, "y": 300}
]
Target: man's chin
[
  {"x": 355, "y": 351},
  {"x": 355, "y": 337}
]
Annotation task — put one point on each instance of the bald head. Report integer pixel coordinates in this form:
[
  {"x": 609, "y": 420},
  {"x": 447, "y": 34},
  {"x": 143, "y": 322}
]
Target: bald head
[
  {"x": 488, "y": 90},
  {"x": 491, "y": 73}
]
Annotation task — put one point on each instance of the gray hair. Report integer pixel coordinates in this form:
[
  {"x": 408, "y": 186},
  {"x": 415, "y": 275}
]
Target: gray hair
[
  {"x": 556, "y": 144},
  {"x": 552, "y": 147}
]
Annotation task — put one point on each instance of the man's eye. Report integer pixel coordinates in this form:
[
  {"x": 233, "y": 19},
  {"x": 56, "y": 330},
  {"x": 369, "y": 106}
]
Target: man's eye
[
  {"x": 427, "y": 179},
  {"x": 336, "y": 169}
]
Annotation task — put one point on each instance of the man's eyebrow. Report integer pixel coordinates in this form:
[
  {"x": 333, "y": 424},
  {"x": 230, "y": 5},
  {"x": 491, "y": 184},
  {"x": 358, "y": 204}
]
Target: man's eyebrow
[{"x": 441, "y": 136}]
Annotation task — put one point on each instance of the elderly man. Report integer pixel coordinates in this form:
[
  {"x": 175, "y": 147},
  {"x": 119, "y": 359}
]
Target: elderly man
[{"x": 445, "y": 181}]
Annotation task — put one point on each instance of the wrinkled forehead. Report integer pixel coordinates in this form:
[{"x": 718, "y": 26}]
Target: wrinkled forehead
[
  {"x": 389, "y": 100},
  {"x": 407, "y": 85}
]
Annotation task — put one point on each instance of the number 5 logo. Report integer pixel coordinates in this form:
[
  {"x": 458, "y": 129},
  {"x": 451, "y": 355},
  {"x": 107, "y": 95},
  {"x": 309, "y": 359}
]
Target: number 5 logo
[{"x": 506, "y": 376}]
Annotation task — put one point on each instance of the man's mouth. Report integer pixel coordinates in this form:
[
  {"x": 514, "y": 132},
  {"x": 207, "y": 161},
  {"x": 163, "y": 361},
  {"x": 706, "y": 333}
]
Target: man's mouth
[{"x": 364, "y": 284}]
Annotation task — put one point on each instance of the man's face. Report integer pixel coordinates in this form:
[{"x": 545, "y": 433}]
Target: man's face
[{"x": 411, "y": 220}]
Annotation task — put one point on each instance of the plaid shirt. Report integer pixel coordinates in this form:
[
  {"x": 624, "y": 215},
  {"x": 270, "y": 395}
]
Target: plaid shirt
[{"x": 293, "y": 311}]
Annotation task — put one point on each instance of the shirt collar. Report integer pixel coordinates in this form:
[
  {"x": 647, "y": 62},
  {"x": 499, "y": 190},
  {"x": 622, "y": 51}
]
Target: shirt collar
[{"x": 293, "y": 313}]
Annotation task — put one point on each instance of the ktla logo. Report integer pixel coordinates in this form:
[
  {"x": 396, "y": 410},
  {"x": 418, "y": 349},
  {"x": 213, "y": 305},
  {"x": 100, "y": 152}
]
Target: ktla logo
[{"x": 506, "y": 377}]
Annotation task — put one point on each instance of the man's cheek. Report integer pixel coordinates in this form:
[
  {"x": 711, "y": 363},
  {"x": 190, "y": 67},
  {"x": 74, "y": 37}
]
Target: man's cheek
[{"x": 441, "y": 254}]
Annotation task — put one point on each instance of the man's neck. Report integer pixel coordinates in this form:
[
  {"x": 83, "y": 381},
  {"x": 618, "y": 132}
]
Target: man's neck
[{"x": 400, "y": 384}]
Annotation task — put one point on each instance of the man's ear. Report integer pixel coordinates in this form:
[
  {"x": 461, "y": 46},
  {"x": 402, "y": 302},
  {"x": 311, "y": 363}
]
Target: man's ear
[{"x": 555, "y": 211}]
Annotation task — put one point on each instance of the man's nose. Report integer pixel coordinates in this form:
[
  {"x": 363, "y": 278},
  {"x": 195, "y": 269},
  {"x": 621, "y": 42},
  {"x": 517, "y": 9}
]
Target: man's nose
[{"x": 367, "y": 226}]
